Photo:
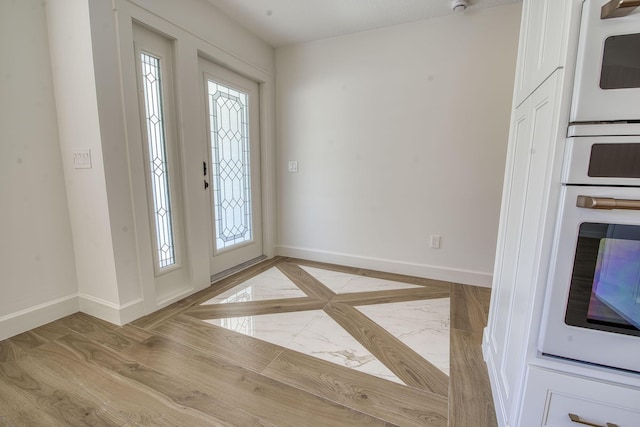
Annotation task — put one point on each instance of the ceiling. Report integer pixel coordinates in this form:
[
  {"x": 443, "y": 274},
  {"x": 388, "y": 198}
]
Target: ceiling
[{"x": 284, "y": 22}]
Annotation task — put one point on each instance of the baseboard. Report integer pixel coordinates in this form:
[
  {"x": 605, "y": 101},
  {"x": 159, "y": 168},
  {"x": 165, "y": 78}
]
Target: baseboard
[
  {"x": 110, "y": 312},
  {"x": 168, "y": 300},
  {"x": 492, "y": 369},
  {"x": 465, "y": 277},
  {"x": 41, "y": 314},
  {"x": 37, "y": 315}
]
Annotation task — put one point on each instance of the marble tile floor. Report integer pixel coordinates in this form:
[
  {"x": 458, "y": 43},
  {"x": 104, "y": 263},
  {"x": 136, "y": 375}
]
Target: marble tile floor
[{"x": 421, "y": 324}]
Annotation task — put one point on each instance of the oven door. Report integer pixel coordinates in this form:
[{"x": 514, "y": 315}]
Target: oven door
[
  {"x": 607, "y": 84},
  {"x": 602, "y": 160},
  {"x": 593, "y": 299}
]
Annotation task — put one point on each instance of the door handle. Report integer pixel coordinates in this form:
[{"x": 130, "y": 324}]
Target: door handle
[
  {"x": 577, "y": 419},
  {"x": 588, "y": 202},
  {"x": 618, "y": 8},
  {"x": 204, "y": 168}
]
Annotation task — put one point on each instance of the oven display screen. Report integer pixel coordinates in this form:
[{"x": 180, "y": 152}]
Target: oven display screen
[{"x": 605, "y": 284}]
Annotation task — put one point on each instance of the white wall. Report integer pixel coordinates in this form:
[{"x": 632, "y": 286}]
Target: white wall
[
  {"x": 79, "y": 128},
  {"x": 37, "y": 267},
  {"x": 400, "y": 133}
]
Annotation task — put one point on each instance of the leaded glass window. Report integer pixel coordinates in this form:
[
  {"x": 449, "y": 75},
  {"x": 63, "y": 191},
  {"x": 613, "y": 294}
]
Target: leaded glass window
[
  {"x": 229, "y": 126},
  {"x": 158, "y": 165}
]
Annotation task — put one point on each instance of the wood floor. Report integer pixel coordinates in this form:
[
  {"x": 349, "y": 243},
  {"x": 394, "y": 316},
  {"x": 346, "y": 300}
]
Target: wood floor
[{"x": 172, "y": 368}]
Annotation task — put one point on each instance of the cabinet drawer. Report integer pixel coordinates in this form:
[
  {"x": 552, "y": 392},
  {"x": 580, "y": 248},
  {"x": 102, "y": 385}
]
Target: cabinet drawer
[
  {"x": 550, "y": 396},
  {"x": 589, "y": 411}
]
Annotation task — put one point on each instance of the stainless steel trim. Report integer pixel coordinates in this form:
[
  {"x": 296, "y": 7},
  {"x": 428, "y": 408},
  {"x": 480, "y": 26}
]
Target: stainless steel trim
[
  {"x": 588, "y": 202},
  {"x": 618, "y": 8},
  {"x": 577, "y": 419}
]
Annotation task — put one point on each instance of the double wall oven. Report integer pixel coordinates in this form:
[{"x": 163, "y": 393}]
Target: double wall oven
[
  {"x": 592, "y": 311},
  {"x": 593, "y": 304}
]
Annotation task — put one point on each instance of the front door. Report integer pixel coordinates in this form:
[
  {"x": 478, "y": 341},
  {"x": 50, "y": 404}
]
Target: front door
[{"x": 233, "y": 168}]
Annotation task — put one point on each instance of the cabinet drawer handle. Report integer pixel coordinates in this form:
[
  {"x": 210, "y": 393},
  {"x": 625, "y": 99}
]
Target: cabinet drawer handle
[
  {"x": 618, "y": 8},
  {"x": 607, "y": 203},
  {"x": 577, "y": 419}
]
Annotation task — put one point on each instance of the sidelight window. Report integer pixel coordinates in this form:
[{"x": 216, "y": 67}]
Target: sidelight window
[{"x": 157, "y": 152}]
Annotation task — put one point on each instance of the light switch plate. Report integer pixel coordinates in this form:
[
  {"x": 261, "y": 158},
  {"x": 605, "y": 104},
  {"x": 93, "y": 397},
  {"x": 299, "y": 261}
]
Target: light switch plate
[
  {"x": 81, "y": 158},
  {"x": 293, "y": 166}
]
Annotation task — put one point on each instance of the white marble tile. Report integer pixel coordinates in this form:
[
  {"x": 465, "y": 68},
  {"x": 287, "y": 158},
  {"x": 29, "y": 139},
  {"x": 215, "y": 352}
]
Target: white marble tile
[
  {"x": 313, "y": 333},
  {"x": 342, "y": 283},
  {"x": 325, "y": 339},
  {"x": 279, "y": 329},
  {"x": 422, "y": 325},
  {"x": 268, "y": 285}
]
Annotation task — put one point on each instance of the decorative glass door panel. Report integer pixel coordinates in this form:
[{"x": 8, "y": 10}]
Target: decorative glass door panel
[
  {"x": 231, "y": 172},
  {"x": 157, "y": 150},
  {"x": 233, "y": 166}
]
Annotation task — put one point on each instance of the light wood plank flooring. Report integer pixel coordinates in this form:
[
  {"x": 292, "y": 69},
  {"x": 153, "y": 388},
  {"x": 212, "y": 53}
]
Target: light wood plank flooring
[{"x": 173, "y": 368}]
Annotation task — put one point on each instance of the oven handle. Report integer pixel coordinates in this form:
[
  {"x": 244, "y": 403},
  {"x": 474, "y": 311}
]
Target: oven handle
[
  {"x": 618, "y": 8},
  {"x": 588, "y": 202}
]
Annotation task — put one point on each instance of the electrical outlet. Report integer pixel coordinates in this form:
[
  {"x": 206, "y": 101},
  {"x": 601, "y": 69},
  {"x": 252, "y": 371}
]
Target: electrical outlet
[
  {"x": 435, "y": 241},
  {"x": 293, "y": 166}
]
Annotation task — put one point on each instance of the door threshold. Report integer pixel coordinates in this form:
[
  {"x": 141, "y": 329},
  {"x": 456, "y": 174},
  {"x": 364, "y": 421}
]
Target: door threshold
[{"x": 237, "y": 268}]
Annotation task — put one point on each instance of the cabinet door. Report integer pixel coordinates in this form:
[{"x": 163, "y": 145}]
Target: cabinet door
[
  {"x": 543, "y": 39},
  {"x": 531, "y": 147}
]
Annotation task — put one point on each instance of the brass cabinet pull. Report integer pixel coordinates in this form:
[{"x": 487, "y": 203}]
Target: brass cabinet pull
[
  {"x": 618, "y": 8},
  {"x": 607, "y": 203},
  {"x": 577, "y": 419}
]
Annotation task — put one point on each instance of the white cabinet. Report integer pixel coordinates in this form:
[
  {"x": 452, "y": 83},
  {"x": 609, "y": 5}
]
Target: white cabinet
[
  {"x": 543, "y": 41},
  {"x": 550, "y": 397},
  {"x": 531, "y": 149},
  {"x": 530, "y": 195}
]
